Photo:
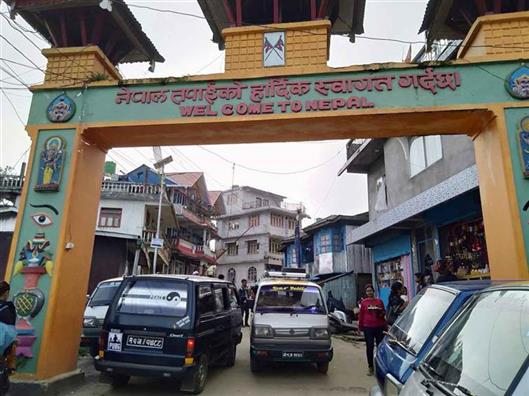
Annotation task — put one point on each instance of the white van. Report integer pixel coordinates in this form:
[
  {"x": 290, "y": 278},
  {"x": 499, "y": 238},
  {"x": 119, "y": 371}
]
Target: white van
[
  {"x": 290, "y": 323},
  {"x": 95, "y": 312}
]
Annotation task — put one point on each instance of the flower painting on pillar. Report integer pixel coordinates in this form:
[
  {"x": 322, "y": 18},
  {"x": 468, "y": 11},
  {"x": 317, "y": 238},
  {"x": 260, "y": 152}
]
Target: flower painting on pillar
[{"x": 274, "y": 49}]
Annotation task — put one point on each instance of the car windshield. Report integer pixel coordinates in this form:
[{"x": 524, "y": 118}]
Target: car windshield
[
  {"x": 484, "y": 349},
  {"x": 417, "y": 322},
  {"x": 290, "y": 299},
  {"x": 156, "y": 297},
  {"x": 104, "y": 294}
]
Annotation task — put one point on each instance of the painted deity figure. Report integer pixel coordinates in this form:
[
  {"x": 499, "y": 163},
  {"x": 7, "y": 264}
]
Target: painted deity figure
[
  {"x": 521, "y": 86},
  {"x": 51, "y": 164}
]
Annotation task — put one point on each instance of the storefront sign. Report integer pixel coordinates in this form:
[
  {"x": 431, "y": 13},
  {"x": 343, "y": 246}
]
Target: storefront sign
[{"x": 281, "y": 95}]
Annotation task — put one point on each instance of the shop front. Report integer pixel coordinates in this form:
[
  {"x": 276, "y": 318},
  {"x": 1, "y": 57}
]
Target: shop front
[
  {"x": 460, "y": 238},
  {"x": 392, "y": 257}
]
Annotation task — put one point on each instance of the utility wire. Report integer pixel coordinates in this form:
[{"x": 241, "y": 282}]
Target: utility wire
[
  {"x": 271, "y": 172},
  {"x": 14, "y": 108}
]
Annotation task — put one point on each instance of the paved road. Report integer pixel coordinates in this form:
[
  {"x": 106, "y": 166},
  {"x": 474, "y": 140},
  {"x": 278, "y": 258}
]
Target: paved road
[{"x": 346, "y": 376}]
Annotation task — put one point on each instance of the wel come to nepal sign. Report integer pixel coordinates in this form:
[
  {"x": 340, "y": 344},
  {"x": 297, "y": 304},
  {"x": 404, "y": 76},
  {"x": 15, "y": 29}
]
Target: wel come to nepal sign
[{"x": 457, "y": 84}]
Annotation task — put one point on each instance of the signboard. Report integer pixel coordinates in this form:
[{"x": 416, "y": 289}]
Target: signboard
[
  {"x": 157, "y": 243},
  {"x": 163, "y": 162}
]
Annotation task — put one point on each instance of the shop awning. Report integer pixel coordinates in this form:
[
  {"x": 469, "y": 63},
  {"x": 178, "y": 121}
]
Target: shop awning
[{"x": 452, "y": 187}]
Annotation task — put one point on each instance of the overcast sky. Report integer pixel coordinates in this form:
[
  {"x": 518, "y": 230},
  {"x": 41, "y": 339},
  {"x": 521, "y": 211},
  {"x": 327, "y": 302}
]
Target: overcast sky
[{"x": 187, "y": 47}]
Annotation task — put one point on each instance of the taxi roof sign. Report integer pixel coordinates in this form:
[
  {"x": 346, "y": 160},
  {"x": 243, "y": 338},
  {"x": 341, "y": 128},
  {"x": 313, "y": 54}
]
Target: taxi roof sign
[{"x": 290, "y": 273}]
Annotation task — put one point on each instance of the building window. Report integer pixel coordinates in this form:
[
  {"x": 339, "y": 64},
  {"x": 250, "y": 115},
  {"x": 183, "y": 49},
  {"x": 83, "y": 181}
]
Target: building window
[
  {"x": 232, "y": 248},
  {"x": 275, "y": 246},
  {"x": 291, "y": 224},
  {"x": 110, "y": 217},
  {"x": 381, "y": 198},
  {"x": 253, "y": 247},
  {"x": 266, "y": 202},
  {"x": 254, "y": 221},
  {"x": 231, "y": 275},
  {"x": 424, "y": 151},
  {"x": 258, "y": 202},
  {"x": 232, "y": 199},
  {"x": 337, "y": 242},
  {"x": 252, "y": 274},
  {"x": 276, "y": 220},
  {"x": 233, "y": 225},
  {"x": 325, "y": 244}
]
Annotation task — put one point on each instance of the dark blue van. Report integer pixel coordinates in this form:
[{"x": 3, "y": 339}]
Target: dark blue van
[{"x": 415, "y": 331}]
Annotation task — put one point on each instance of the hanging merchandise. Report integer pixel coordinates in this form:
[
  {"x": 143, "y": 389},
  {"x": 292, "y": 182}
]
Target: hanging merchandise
[{"x": 464, "y": 248}]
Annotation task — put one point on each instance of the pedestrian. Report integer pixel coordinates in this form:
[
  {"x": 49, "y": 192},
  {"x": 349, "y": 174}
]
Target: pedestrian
[
  {"x": 404, "y": 294},
  {"x": 445, "y": 274},
  {"x": 395, "y": 304},
  {"x": 420, "y": 281},
  {"x": 8, "y": 317},
  {"x": 371, "y": 320},
  {"x": 245, "y": 296}
]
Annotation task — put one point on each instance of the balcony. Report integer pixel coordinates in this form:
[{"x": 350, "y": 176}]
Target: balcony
[
  {"x": 129, "y": 188},
  {"x": 254, "y": 205},
  {"x": 194, "y": 251},
  {"x": 165, "y": 251},
  {"x": 361, "y": 153}
]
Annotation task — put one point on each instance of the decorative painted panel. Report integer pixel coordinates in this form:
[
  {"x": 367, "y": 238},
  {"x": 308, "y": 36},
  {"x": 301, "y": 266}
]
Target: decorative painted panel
[{"x": 38, "y": 238}]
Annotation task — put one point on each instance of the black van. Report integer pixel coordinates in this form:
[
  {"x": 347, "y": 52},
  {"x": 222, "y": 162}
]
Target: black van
[{"x": 170, "y": 326}]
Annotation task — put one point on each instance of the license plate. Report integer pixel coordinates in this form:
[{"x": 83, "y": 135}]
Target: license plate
[
  {"x": 292, "y": 355},
  {"x": 145, "y": 342}
]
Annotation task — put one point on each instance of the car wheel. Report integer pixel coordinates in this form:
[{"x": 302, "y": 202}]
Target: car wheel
[
  {"x": 231, "y": 355},
  {"x": 200, "y": 374},
  {"x": 323, "y": 367},
  {"x": 255, "y": 365},
  {"x": 120, "y": 381}
]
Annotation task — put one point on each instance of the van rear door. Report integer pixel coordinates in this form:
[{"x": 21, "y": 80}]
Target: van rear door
[{"x": 150, "y": 322}]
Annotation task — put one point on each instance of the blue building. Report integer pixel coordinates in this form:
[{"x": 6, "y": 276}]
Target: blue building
[{"x": 342, "y": 268}]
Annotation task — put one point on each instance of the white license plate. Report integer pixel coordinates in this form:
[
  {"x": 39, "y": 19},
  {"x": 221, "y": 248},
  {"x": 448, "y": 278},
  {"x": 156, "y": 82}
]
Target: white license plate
[
  {"x": 145, "y": 342},
  {"x": 292, "y": 355}
]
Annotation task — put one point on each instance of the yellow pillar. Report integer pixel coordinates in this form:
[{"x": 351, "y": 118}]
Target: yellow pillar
[{"x": 500, "y": 206}]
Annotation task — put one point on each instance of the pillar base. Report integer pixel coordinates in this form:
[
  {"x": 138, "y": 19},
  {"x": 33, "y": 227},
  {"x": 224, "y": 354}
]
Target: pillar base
[{"x": 52, "y": 386}]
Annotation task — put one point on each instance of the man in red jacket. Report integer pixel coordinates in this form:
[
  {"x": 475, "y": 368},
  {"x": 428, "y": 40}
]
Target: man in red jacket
[{"x": 372, "y": 321}]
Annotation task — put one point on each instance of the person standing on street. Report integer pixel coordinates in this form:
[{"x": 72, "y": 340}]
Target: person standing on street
[
  {"x": 244, "y": 295},
  {"x": 445, "y": 273},
  {"x": 8, "y": 333},
  {"x": 371, "y": 320},
  {"x": 395, "y": 304},
  {"x": 420, "y": 281}
]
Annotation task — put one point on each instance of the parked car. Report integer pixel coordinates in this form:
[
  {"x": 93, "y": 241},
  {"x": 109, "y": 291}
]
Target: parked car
[
  {"x": 290, "y": 323},
  {"x": 416, "y": 329},
  {"x": 170, "y": 326},
  {"x": 95, "y": 311},
  {"x": 484, "y": 351}
]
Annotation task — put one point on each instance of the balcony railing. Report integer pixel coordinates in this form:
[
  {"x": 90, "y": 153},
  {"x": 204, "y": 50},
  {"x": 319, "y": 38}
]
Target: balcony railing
[
  {"x": 128, "y": 187},
  {"x": 254, "y": 204},
  {"x": 11, "y": 182}
]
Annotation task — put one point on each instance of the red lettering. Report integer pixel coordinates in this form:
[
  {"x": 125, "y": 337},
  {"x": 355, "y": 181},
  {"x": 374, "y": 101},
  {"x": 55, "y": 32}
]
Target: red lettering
[
  {"x": 311, "y": 105},
  {"x": 242, "y": 108},
  {"x": 353, "y": 102},
  {"x": 367, "y": 104},
  {"x": 325, "y": 104},
  {"x": 254, "y": 108},
  {"x": 210, "y": 112},
  {"x": 186, "y": 111},
  {"x": 338, "y": 103},
  {"x": 296, "y": 106},
  {"x": 267, "y": 108},
  {"x": 283, "y": 105},
  {"x": 200, "y": 110},
  {"x": 227, "y": 110}
]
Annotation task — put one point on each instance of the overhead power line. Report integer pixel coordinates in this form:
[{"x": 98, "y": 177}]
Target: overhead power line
[{"x": 268, "y": 172}]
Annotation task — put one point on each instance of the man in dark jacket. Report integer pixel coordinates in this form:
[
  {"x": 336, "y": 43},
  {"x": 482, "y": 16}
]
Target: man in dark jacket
[
  {"x": 8, "y": 316},
  {"x": 245, "y": 296}
]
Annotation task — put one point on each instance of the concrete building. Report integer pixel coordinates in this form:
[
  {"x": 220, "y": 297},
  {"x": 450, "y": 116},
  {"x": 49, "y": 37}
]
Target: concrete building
[
  {"x": 251, "y": 232},
  {"x": 424, "y": 205}
]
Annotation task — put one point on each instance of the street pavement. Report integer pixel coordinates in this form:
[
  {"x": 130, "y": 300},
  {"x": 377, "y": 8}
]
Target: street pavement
[{"x": 346, "y": 376}]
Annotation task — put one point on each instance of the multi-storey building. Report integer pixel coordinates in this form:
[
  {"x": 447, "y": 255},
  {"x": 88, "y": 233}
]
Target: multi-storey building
[{"x": 251, "y": 232}]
